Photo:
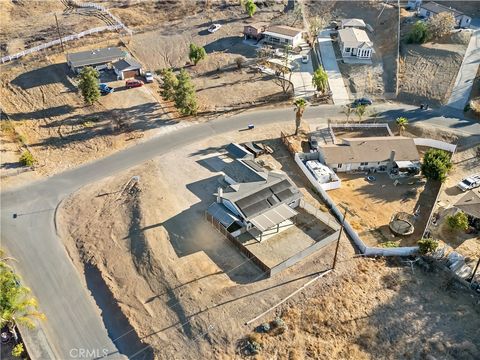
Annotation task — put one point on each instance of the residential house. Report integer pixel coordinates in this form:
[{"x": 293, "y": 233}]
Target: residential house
[
  {"x": 430, "y": 9},
  {"x": 254, "y": 30},
  {"x": 353, "y": 23},
  {"x": 281, "y": 35},
  {"x": 395, "y": 154},
  {"x": 355, "y": 43},
  {"x": 470, "y": 205},
  {"x": 255, "y": 200},
  {"x": 127, "y": 68},
  {"x": 98, "y": 59}
]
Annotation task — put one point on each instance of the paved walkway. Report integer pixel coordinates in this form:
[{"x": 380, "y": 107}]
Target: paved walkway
[
  {"x": 329, "y": 62},
  {"x": 464, "y": 82}
]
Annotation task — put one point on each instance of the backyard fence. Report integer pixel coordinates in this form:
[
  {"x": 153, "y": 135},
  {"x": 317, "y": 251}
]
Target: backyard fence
[
  {"x": 435, "y": 144},
  {"x": 119, "y": 25}
]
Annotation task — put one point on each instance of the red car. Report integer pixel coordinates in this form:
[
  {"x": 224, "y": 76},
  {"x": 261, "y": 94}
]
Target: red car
[{"x": 132, "y": 83}]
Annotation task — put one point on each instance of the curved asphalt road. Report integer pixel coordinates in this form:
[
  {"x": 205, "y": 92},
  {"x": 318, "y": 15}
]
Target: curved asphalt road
[{"x": 74, "y": 321}]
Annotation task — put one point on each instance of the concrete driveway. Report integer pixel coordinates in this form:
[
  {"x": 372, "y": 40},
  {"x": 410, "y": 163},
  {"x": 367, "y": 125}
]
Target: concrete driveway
[
  {"x": 329, "y": 62},
  {"x": 302, "y": 76},
  {"x": 464, "y": 81}
]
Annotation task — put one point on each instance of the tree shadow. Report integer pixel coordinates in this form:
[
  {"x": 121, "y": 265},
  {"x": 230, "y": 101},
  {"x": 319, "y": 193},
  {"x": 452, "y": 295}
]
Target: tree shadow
[
  {"x": 231, "y": 45},
  {"x": 47, "y": 75},
  {"x": 43, "y": 113}
]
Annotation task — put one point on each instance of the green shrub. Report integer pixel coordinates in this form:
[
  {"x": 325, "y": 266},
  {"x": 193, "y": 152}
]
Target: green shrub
[
  {"x": 459, "y": 221},
  {"x": 27, "y": 159},
  {"x": 18, "y": 350},
  {"x": 436, "y": 164},
  {"x": 419, "y": 33},
  {"x": 426, "y": 246},
  {"x": 390, "y": 244}
]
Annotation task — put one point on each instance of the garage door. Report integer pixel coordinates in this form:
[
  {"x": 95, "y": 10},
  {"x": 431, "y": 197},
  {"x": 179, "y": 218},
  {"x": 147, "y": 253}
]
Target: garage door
[{"x": 130, "y": 74}]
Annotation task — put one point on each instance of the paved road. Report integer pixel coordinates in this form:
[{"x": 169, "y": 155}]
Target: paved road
[
  {"x": 74, "y": 321},
  {"x": 467, "y": 72}
]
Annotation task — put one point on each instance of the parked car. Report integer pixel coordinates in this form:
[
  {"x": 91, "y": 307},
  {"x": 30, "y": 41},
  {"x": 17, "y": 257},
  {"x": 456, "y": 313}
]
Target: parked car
[
  {"x": 313, "y": 142},
  {"x": 148, "y": 77},
  {"x": 469, "y": 183},
  {"x": 133, "y": 83},
  {"x": 362, "y": 101},
  {"x": 214, "y": 28},
  {"x": 105, "y": 89},
  {"x": 305, "y": 59}
]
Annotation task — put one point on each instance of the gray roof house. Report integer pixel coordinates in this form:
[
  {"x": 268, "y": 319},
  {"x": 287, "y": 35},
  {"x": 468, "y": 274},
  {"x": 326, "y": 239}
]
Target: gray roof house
[
  {"x": 256, "y": 200},
  {"x": 355, "y": 43},
  {"x": 95, "y": 58},
  {"x": 470, "y": 203},
  {"x": 432, "y": 8},
  {"x": 282, "y": 35},
  {"x": 127, "y": 68}
]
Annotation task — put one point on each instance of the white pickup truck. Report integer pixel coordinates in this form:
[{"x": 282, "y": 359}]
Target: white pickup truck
[{"x": 469, "y": 183}]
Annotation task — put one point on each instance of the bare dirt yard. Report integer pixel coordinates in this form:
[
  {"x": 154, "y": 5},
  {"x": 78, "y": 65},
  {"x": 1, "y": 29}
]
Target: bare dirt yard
[
  {"x": 466, "y": 162},
  {"x": 184, "y": 289},
  {"x": 428, "y": 71},
  {"x": 377, "y": 80},
  {"x": 371, "y": 205},
  {"x": 378, "y": 310}
]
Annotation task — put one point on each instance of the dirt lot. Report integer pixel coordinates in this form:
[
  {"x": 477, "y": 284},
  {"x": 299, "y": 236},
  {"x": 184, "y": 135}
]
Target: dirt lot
[
  {"x": 173, "y": 276},
  {"x": 428, "y": 71},
  {"x": 379, "y": 78},
  {"x": 466, "y": 162},
  {"x": 371, "y": 205},
  {"x": 379, "y": 310}
]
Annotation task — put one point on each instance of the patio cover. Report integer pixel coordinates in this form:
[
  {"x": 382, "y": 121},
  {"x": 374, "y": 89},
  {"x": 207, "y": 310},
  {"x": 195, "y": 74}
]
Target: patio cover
[
  {"x": 273, "y": 217},
  {"x": 405, "y": 164},
  {"x": 222, "y": 214}
]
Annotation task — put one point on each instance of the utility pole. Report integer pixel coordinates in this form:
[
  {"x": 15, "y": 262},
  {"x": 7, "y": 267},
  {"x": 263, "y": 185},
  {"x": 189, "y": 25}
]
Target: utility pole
[
  {"x": 59, "y": 35},
  {"x": 338, "y": 241},
  {"x": 475, "y": 271}
]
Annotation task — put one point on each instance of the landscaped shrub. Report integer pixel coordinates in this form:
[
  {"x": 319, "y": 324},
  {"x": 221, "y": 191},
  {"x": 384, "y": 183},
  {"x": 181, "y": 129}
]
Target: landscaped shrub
[
  {"x": 426, "y": 246},
  {"x": 459, "y": 221},
  {"x": 436, "y": 164}
]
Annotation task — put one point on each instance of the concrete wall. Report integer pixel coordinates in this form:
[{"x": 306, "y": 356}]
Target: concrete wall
[{"x": 317, "y": 156}]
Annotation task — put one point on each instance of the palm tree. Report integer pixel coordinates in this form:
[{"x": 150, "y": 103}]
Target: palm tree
[
  {"x": 320, "y": 80},
  {"x": 347, "y": 110},
  {"x": 300, "y": 105},
  {"x": 360, "y": 110},
  {"x": 402, "y": 123},
  {"x": 16, "y": 306}
]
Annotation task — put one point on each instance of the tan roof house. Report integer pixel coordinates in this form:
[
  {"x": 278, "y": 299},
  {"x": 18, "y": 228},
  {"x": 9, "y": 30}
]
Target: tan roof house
[
  {"x": 470, "y": 203},
  {"x": 283, "y": 35},
  {"x": 432, "y": 8},
  {"x": 373, "y": 153},
  {"x": 355, "y": 43},
  {"x": 353, "y": 23}
]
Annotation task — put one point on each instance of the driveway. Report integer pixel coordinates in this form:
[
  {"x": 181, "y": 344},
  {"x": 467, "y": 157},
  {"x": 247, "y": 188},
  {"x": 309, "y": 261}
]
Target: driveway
[
  {"x": 464, "y": 81},
  {"x": 302, "y": 77},
  {"x": 74, "y": 321},
  {"x": 329, "y": 62}
]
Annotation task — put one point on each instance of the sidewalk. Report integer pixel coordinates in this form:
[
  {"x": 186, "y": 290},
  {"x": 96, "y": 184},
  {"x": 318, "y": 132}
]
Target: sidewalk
[
  {"x": 329, "y": 62},
  {"x": 464, "y": 81}
]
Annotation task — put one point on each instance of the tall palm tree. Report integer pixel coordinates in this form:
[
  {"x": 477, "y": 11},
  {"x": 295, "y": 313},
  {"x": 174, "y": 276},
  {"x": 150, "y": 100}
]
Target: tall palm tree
[
  {"x": 320, "y": 80},
  {"x": 402, "y": 123},
  {"x": 360, "y": 110},
  {"x": 300, "y": 105},
  {"x": 16, "y": 306}
]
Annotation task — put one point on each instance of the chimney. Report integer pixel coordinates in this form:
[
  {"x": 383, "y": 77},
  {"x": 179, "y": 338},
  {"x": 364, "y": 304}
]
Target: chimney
[
  {"x": 219, "y": 195},
  {"x": 392, "y": 157}
]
